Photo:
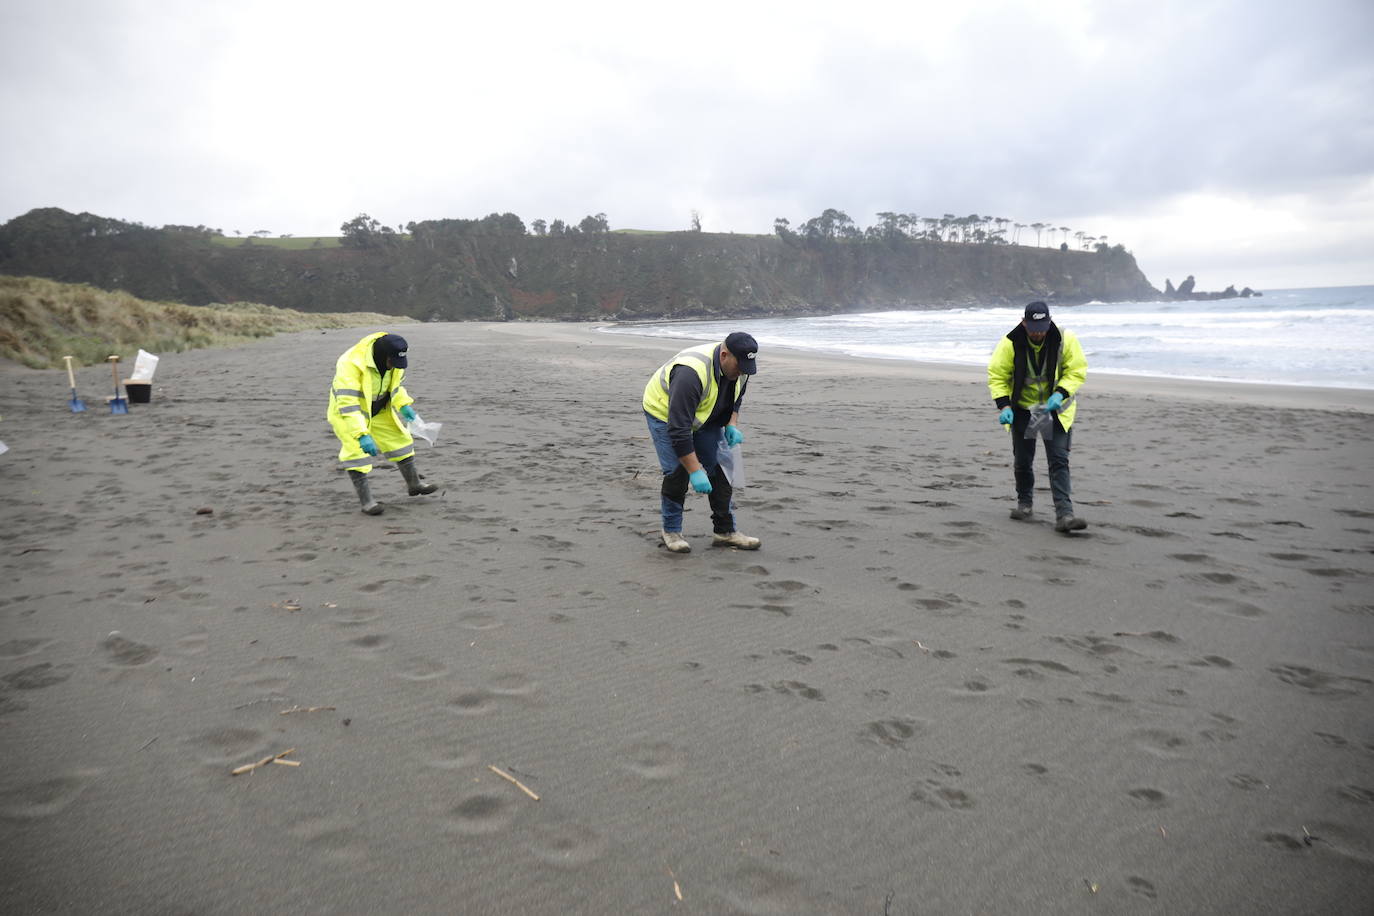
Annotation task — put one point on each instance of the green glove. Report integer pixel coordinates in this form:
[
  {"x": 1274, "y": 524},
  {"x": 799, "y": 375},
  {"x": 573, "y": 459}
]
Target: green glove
[
  {"x": 1055, "y": 402},
  {"x": 733, "y": 436},
  {"x": 700, "y": 482},
  {"x": 367, "y": 444},
  {"x": 1006, "y": 416},
  {"x": 408, "y": 413}
]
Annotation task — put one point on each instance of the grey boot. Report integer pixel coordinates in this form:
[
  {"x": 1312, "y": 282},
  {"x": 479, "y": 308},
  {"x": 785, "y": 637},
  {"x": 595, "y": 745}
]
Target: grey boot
[
  {"x": 370, "y": 505},
  {"x": 412, "y": 477}
]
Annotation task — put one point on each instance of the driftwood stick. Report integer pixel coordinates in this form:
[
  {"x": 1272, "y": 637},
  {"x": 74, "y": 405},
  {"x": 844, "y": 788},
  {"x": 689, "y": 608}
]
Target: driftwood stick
[
  {"x": 523, "y": 788},
  {"x": 275, "y": 758},
  {"x": 287, "y": 712}
]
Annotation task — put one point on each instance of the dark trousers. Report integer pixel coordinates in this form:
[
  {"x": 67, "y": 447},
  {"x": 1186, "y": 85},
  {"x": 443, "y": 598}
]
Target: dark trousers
[
  {"x": 1056, "y": 453},
  {"x": 673, "y": 493}
]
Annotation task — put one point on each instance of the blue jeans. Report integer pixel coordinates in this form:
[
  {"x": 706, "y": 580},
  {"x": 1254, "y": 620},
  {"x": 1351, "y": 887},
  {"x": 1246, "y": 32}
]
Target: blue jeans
[
  {"x": 706, "y": 443},
  {"x": 1056, "y": 453}
]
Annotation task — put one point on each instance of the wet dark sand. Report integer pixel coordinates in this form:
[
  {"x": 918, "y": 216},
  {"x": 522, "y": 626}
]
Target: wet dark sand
[{"x": 905, "y": 702}]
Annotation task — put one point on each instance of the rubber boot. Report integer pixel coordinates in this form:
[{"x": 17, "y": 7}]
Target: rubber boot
[
  {"x": 370, "y": 505},
  {"x": 412, "y": 477}
]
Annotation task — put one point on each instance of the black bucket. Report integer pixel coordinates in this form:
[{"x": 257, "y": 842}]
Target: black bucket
[{"x": 139, "y": 392}]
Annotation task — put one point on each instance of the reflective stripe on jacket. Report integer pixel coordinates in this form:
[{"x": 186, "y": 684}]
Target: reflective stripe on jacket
[
  {"x": 1070, "y": 368},
  {"x": 702, "y": 361}
]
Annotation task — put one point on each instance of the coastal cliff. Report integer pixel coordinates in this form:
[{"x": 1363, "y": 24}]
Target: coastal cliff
[{"x": 433, "y": 275}]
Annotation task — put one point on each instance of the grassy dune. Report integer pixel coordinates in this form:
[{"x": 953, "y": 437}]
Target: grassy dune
[{"x": 42, "y": 320}]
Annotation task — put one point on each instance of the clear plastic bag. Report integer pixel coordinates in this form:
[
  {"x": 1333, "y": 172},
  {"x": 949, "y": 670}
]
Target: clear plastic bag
[
  {"x": 144, "y": 367},
  {"x": 1041, "y": 423},
  {"x": 419, "y": 429},
  {"x": 3, "y": 448},
  {"x": 732, "y": 463}
]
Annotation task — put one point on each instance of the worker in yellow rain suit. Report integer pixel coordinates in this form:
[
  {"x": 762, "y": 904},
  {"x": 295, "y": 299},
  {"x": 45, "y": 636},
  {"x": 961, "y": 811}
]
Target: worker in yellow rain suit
[
  {"x": 369, "y": 409},
  {"x": 1034, "y": 374}
]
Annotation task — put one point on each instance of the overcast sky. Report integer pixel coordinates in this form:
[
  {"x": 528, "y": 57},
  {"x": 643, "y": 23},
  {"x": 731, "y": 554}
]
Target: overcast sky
[{"x": 1232, "y": 140}]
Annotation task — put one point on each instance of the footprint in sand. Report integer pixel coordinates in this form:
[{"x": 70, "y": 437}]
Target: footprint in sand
[
  {"x": 420, "y": 668},
  {"x": 18, "y": 648},
  {"x": 1032, "y": 668},
  {"x": 567, "y": 845},
  {"x": 479, "y": 620},
  {"x": 481, "y": 813},
  {"x": 1230, "y": 606},
  {"x": 1160, "y": 743},
  {"x": 1141, "y": 888},
  {"x": 1150, "y": 798},
  {"x": 127, "y": 652},
  {"x": 797, "y": 688},
  {"x": 229, "y": 745},
  {"x": 892, "y": 733},
  {"x": 445, "y": 753},
  {"x": 45, "y": 797},
  {"x": 653, "y": 760},
  {"x": 1317, "y": 682},
  {"x": 935, "y": 794},
  {"x": 331, "y": 838},
  {"x": 370, "y": 644},
  {"x": 36, "y": 677}
]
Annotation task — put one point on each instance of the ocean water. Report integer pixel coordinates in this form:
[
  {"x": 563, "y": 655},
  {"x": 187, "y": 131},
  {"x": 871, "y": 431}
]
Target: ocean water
[{"x": 1322, "y": 336}]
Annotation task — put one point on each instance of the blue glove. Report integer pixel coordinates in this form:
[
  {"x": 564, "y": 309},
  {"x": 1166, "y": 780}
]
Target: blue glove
[
  {"x": 733, "y": 436},
  {"x": 1055, "y": 402},
  {"x": 1006, "y": 416},
  {"x": 366, "y": 443},
  {"x": 408, "y": 413},
  {"x": 700, "y": 482}
]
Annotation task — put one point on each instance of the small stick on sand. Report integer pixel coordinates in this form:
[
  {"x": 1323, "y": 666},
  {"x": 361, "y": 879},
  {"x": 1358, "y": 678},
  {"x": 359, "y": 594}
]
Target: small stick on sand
[
  {"x": 523, "y": 788},
  {"x": 287, "y": 712},
  {"x": 677, "y": 889},
  {"x": 275, "y": 758}
]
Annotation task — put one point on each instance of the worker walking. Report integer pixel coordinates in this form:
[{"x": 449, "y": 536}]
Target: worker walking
[
  {"x": 1034, "y": 373},
  {"x": 692, "y": 405},
  {"x": 369, "y": 409}
]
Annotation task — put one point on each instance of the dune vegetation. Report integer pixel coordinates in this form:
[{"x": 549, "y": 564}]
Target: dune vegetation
[{"x": 42, "y": 321}]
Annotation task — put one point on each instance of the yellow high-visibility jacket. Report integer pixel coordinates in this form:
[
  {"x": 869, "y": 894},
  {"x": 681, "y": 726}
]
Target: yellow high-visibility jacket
[
  {"x": 1013, "y": 380},
  {"x": 357, "y": 383},
  {"x": 702, "y": 360}
]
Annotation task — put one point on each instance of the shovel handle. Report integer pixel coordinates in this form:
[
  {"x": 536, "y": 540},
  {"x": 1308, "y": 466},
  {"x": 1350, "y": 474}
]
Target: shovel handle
[
  {"x": 113, "y": 360},
  {"x": 70, "y": 377}
]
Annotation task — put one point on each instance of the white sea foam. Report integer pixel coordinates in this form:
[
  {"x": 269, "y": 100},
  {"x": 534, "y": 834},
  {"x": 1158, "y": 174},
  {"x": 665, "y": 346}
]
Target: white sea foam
[{"x": 1296, "y": 337}]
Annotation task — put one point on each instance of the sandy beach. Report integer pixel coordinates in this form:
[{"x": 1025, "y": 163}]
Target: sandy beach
[{"x": 903, "y": 703}]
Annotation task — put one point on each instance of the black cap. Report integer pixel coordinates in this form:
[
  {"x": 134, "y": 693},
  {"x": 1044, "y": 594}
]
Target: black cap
[
  {"x": 390, "y": 347},
  {"x": 1037, "y": 318},
  {"x": 745, "y": 348}
]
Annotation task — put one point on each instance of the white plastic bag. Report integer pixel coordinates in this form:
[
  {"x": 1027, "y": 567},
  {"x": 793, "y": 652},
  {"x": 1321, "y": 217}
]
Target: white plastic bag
[
  {"x": 732, "y": 463},
  {"x": 144, "y": 367},
  {"x": 426, "y": 431},
  {"x": 3, "y": 448}
]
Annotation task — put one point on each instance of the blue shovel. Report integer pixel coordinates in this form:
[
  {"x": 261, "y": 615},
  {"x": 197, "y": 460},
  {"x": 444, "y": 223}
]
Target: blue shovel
[
  {"x": 117, "y": 404},
  {"x": 76, "y": 403}
]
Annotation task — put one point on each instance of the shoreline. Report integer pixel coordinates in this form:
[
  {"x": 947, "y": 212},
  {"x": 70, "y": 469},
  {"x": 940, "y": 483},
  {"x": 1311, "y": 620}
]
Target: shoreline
[{"x": 1270, "y": 393}]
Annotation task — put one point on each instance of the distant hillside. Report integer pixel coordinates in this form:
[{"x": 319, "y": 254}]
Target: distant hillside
[{"x": 454, "y": 270}]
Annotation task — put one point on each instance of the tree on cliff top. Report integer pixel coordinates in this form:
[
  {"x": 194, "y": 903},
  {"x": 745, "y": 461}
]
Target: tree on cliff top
[{"x": 365, "y": 232}]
